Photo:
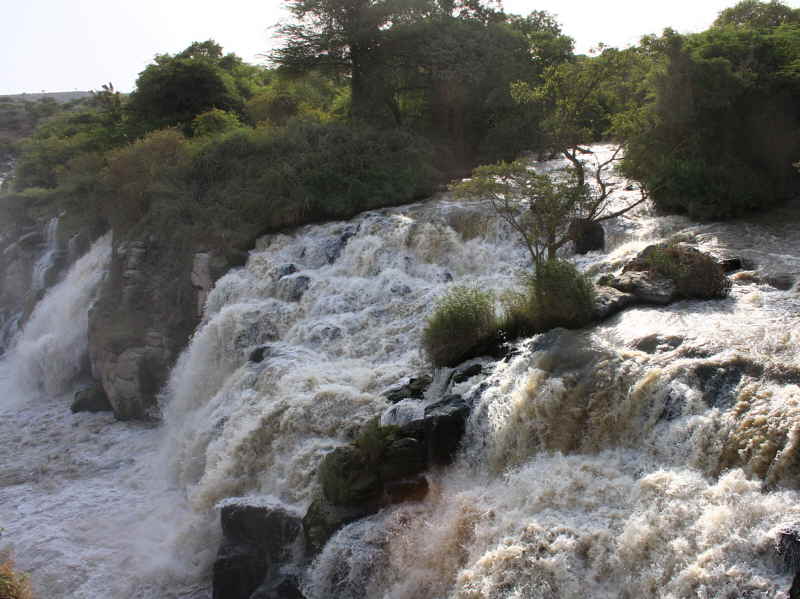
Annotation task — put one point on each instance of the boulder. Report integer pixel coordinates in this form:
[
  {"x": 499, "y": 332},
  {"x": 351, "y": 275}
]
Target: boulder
[
  {"x": 402, "y": 458},
  {"x": 413, "y": 388},
  {"x": 781, "y": 281},
  {"x": 609, "y": 301},
  {"x": 91, "y": 398},
  {"x": 334, "y": 247},
  {"x": 348, "y": 478},
  {"x": 656, "y": 343},
  {"x": 464, "y": 373},
  {"x": 647, "y": 287},
  {"x": 323, "y": 519},
  {"x": 587, "y": 236},
  {"x": 445, "y": 423},
  {"x": 256, "y": 540},
  {"x": 788, "y": 547}
]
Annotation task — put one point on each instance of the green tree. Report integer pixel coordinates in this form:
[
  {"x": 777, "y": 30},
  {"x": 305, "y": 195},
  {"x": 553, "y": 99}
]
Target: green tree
[
  {"x": 753, "y": 13},
  {"x": 175, "y": 89},
  {"x": 539, "y": 207}
]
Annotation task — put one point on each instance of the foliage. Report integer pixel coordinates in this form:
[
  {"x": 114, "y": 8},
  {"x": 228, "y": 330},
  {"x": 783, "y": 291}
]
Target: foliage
[
  {"x": 539, "y": 207},
  {"x": 753, "y": 13},
  {"x": 214, "y": 122},
  {"x": 311, "y": 95},
  {"x": 173, "y": 90},
  {"x": 462, "y": 322},
  {"x": 717, "y": 137},
  {"x": 556, "y": 295},
  {"x": 147, "y": 178},
  {"x": 696, "y": 275},
  {"x": 13, "y": 585}
]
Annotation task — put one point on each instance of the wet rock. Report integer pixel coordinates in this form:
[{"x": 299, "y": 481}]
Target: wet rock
[
  {"x": 463, "y": 374},
  {"x": 292, "y": 288},
  {"x": 402, "y": 458},
  {"x": 782, "y": 281},
  {"x": 238, "y": 571},
  {"x": 646, "y": 287},
  {"x": 410, "y": 489},
  {"x": 91, "y": 398},
  {"x": 447, "y": 277},
  {"x": 334, "y": 247},
  {"x": 323, "y": 519},
  {"x": 400, "y": 289},
  {"x": 258, "y": 354},
  {"x": 609, "y": 301},
  {"x": 413, "y": 388},
  {"x": 731, "y": 264},
  {"x": 445, "y": 423},
  {"x": 587, "y": 236},
  {"x": 719, "y": 381},
  {"x": 284, "y": 271},
  {"x": 283, "y": 587},
  {"x": 347, "y": 477},
  {"x": 658, "y": 343},
  {"x": 256, "y": 539},
  {"x": 788, "y": 547}
]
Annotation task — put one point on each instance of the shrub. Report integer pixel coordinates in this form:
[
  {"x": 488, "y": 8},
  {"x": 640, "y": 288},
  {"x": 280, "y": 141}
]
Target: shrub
[
  {"x": 214, "y": 122},
  {"x": 13, "y": 585},
  {"x": 695, "y": 274},
  {"x": 462, "y": 323},
  {"x": 557, "y": 295}
]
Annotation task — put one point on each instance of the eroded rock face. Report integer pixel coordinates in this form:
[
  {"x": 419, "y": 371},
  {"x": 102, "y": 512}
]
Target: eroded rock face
[{"x": 148, "y": 306}]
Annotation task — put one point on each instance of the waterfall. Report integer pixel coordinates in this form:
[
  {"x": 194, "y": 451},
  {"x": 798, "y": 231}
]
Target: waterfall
[
  {"x": 43, "y": 265},
  {"x": 50, "y": 352},
  {"x": 654, "y": 454}
]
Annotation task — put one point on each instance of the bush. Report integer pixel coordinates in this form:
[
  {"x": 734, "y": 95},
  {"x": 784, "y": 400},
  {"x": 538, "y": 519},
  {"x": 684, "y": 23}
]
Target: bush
[
  {"x": 462, "y": 324},
  {"x": 695, "y": 274},
  {"x": 13, "y": 585},
  {"x": 557, "y": 295}
]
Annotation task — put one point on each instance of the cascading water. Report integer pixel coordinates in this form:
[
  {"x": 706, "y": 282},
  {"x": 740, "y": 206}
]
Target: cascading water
[
  {"x": 45, "y": 263},
  {"x": 655, "y": 454}
]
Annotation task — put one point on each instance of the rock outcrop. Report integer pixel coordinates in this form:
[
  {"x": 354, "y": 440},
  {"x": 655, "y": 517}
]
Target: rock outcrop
[{"x": 148, "y": 306}]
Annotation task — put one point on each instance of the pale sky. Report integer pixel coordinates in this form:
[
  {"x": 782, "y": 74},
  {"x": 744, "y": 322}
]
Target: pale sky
[{"x": 65, "y": 45}]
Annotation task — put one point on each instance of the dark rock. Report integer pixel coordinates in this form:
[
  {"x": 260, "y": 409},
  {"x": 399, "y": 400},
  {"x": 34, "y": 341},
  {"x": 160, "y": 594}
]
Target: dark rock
[
  {"x": 657, "y": 343},
  {"x": 255, "y": 538},
  {"x": 465, "y": 373},
  {"x": 258, "y": 354},
  {"x": 719, "y": 382},
  {"x": 237, "y": 572},
  {"x": 587, "y": 236},
  {"x": 284, "y": 271},
  {"x": 445, "y": 423},
  {"x": 731, "y": 264},
  {"x": 788, "y": 547},
  {"x": 410, "y": 489},
  {"x": 402, "y": 458},
  {"x": 272, "y": 529},
  {"x": 400, "y": 289},
  {"x": 447, "y": 277},
  {"x": 414, "y": 388},
  {"x": 283, "y": 587},
  {"x": 783, "y": 282},
  {"x": 347, "y": 478},
  {"x": 291, "y": 288},
  {"x": 609, "y": 301},
  {"x": 647, "y": 287},
  {"x": 323, "y": 519},
  {"x": 334, "y": 247},
  {"x": 91, "y": 399},
  {"x": 31, "y": 240}
]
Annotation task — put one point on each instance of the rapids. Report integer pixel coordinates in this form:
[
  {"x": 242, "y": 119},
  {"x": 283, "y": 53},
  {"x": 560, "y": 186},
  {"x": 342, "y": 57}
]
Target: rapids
[{"x": 655, "y": 454}]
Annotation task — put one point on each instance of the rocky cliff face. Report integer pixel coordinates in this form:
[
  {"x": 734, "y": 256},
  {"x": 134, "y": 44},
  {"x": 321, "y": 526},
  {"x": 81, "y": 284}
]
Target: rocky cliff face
[{"x": 147, "y": 308}]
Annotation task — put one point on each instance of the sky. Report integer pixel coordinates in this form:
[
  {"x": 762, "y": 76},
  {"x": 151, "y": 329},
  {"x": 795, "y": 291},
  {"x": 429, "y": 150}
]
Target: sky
[{"x": 66, "y": 45}]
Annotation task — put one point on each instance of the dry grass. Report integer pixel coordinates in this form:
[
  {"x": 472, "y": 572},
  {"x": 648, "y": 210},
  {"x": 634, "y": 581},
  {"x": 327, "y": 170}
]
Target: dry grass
[{"x": 13, "y": 584}]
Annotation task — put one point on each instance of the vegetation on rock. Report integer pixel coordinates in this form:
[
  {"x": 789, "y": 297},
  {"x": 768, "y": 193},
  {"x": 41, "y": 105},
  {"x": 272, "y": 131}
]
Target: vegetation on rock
[{"x": 13, "y": 584}]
